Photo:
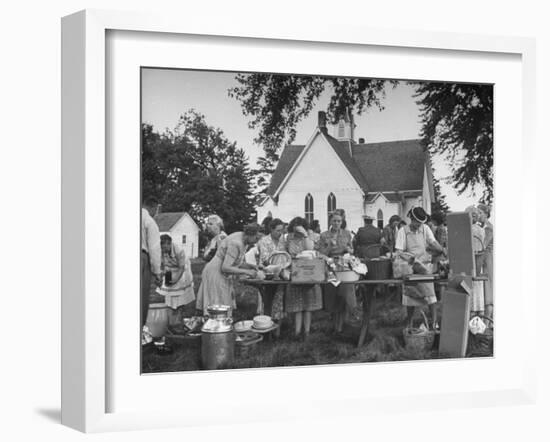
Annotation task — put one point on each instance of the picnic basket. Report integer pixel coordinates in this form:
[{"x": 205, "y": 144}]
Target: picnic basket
[
  {"x": 481, "y": 344},
  {"x": 417, "y": 339}
]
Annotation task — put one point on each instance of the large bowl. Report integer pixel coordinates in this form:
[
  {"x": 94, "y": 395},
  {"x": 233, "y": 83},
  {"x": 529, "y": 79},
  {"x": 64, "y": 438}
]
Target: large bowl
[
  {"x": 262, "y": 322},
  {"x": 347, "y": 276}
]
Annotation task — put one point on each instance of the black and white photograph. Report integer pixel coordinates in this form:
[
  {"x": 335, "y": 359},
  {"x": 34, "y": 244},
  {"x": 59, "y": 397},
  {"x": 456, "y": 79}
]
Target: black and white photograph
[{"x": 300, "y": 220}]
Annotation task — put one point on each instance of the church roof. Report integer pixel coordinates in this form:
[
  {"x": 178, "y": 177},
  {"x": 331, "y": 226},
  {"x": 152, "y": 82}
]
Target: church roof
[
  {"x": 342, "y": 149},
  {"x": 389, "y": 167},
  {"x": 286, "y": 161},
  {"x": 393, "y": 197},
  {"x": 167, "y": 220}
]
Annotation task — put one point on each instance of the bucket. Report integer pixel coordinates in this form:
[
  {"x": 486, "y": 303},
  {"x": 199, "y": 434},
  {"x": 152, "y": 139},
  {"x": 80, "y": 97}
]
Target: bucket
[
  {"x": 157, "y": 319},
  {"x": 217, "y": 350},
  {"x": 379, "y": 269}
]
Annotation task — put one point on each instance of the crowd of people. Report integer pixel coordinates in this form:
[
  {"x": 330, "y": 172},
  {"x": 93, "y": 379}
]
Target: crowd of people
[{"x": 422, "y": 241}]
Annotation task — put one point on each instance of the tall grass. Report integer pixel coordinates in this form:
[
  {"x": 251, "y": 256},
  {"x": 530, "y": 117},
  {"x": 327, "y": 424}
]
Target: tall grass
[{"x": 384, "y": 343}]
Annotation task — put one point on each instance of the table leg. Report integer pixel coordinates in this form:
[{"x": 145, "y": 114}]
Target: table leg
[{"x": 368, "y": 301}]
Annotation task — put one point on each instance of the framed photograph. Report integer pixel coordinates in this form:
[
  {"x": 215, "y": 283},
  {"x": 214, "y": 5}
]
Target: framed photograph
[{"x": 141, "y": 90}]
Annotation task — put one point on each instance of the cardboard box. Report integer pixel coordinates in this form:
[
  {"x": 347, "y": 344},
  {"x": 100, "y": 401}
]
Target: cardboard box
[
  {"x": 454, "y": 323},
  {"x": 308, "y": 270}
]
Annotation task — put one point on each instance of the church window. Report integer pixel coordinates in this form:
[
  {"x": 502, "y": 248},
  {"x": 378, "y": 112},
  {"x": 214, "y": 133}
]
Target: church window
[
  {"x": 331, "y": 206},
  {"x": 380, "y": 219},
  {"x": 309, "y": 208}
]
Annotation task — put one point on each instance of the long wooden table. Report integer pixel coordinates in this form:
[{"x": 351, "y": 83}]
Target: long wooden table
[{"x": 367, "y": 295}]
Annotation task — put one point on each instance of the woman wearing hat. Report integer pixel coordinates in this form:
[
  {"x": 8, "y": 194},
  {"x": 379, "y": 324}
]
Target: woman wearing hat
[{"x": 415, "y": 239}]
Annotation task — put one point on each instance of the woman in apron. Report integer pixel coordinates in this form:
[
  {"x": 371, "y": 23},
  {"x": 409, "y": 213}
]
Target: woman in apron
[
  {"x": 413, "y": 240},
  {"x": 177, "y": 287}
]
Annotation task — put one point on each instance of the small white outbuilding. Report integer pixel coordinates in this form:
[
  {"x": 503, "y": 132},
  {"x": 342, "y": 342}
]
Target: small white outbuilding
[{"x": 183, "y": 230}]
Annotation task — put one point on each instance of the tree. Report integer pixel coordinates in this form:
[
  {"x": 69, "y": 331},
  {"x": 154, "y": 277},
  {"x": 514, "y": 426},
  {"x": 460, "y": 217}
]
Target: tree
[
  {"x": 277, "y": 103},
  {"x": 440, "y": 205},
  {"x": 196, "y": 169},
  {"x": 457, "y": 121}
]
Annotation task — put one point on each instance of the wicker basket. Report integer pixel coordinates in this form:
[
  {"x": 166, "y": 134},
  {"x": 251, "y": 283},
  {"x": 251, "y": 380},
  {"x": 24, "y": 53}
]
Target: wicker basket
[
  {"x": 481, "y": 344},
  {"x": 418, "y": 340}
]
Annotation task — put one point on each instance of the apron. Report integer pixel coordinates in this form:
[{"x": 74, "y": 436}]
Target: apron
[
  {"x": 182, "y": 291},
  {"x": 421, "y": 293}
]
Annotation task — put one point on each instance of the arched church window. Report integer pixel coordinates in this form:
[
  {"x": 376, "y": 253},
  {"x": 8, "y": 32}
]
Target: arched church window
[
  {"x": 331, "y": 206},
  {"x": 380, "y": 219},
  {"x": 308, "y": 208}
]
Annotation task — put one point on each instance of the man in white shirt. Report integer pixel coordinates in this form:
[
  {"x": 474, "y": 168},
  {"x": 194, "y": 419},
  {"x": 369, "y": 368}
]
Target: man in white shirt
[{"x": 150, "y": 253}]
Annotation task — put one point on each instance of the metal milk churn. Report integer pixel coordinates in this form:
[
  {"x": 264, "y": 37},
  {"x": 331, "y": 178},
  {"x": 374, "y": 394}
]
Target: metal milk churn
[{"x": 218, "y": 339}]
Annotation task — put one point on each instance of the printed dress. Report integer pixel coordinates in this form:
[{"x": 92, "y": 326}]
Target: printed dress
[
  {"x": 300, "y": 298},
  {"x": 216, "y": 287},
  {"x": 335, "y": 243},
  {"x": 273, "y": 296}
]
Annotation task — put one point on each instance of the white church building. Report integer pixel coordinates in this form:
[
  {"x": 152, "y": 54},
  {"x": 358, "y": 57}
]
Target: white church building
[{"x": 329, "y": 172}]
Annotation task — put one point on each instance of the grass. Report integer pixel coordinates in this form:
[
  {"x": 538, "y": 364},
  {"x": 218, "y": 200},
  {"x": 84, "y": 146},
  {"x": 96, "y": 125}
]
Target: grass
[{"x": 384, "y": 343}]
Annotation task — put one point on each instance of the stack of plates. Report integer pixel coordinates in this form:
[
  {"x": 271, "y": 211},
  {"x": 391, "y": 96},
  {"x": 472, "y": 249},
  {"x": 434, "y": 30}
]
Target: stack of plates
[{"x": 262, "y": 322}]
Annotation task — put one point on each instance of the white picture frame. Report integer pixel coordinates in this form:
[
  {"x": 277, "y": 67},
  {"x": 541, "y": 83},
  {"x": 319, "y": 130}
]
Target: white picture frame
[{"x": 85, "y": 217}]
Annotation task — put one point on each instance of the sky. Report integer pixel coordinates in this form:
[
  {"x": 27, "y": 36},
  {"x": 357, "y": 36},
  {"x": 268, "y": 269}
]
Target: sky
[{"x": 169, "y": 93}]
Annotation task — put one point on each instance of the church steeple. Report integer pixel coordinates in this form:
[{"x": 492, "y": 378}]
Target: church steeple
[{"x": 344, "y": 129}]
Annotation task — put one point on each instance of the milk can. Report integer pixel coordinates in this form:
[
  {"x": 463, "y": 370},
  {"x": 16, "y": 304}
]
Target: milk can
[{"x": 218, "y": 339}]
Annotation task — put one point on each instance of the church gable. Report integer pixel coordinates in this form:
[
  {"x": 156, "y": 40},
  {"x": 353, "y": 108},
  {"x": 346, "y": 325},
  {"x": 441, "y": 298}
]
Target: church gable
[
  {"x": 319, "y": 169},
  {"x": 396, "y": 167}
]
